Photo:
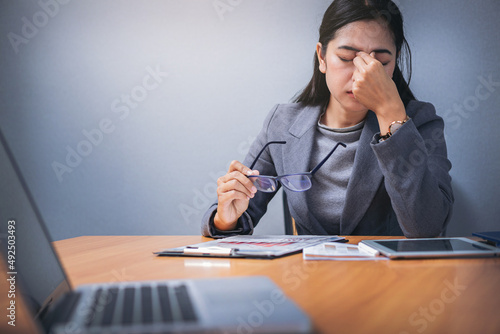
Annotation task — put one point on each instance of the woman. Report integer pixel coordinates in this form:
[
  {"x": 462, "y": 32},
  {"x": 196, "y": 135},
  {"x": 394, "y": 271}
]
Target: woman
[{"x": 392, "y": 176}]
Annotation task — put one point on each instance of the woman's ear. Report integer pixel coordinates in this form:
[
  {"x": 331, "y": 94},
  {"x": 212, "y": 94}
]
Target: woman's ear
[{"x": 321, "y": 59}]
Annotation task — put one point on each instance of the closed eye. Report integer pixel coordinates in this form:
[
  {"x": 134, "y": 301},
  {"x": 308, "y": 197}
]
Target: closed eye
[
  {"x": 345, "y": 60},
  {"x": 383, "y": 60}
]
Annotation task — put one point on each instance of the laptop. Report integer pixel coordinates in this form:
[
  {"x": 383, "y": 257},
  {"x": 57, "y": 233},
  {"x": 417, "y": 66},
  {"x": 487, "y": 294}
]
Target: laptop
[{"x": 252, "y": 304}]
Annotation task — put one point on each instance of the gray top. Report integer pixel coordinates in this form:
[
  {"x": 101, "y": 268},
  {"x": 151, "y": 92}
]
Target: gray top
[{"x": 327, "y": 196}]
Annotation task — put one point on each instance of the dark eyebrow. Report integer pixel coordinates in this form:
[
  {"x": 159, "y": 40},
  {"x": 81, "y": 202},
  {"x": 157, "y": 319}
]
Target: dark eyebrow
[{"x": 350, "y": 48}]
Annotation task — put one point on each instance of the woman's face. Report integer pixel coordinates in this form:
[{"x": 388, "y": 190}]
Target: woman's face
[{"x": 337, "y": 64}]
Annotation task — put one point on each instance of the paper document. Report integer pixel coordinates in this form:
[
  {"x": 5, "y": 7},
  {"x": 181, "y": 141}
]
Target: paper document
[
  {"x": 340, "y": 252},
  {"x": 251, "y": 246}
]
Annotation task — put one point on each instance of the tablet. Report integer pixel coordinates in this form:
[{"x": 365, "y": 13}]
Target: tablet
[{"x": 431, "y": 248}]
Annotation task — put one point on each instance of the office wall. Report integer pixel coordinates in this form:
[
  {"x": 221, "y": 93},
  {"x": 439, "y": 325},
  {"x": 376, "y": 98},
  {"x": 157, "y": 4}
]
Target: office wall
[
  {"x": 455, "y": 46},
  {"x": 122, "y": 114}
]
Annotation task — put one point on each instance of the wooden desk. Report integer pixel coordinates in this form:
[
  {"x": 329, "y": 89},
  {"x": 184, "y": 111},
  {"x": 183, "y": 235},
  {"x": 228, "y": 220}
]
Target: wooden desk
[{"x": 403, "y": 296}]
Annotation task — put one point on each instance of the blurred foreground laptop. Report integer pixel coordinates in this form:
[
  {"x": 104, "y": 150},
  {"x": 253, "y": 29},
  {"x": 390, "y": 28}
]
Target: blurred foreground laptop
[{"x": 226, "y": 305}]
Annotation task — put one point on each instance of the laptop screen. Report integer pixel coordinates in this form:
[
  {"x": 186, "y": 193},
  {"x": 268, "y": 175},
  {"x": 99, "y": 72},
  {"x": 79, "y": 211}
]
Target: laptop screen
[{"x": 34, "y": 260}]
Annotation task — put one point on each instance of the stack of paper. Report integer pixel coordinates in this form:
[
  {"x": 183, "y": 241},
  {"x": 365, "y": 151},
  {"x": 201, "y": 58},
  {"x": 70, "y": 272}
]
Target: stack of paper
[
  {"x": 337, "y": 251},
  {"x": 251, "y": 246}
]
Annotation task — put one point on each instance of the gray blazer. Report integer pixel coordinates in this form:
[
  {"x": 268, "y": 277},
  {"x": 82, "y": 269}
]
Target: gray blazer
[{"x": 400, "y": 186}]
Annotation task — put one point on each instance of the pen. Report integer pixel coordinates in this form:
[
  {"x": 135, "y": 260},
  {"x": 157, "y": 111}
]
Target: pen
[
  {"x": 209, "y": 251},
  {"x": 336, "y": 245},
  {"x": 367, "y": 249}
]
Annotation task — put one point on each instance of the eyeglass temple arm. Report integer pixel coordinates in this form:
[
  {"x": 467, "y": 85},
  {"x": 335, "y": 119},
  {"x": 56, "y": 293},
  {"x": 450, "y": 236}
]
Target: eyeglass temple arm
[
  {"x": 326, "y": 158},
  {"x": 265, "y": 146}
]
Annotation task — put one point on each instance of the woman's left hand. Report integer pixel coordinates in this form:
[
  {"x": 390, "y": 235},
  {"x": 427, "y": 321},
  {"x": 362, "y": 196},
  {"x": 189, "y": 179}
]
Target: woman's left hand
[{"x": 374, "y": 89}]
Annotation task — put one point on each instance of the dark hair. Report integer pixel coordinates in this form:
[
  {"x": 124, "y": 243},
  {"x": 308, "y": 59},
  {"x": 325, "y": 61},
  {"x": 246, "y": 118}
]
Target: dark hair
[{"x": 343, "y": 12}]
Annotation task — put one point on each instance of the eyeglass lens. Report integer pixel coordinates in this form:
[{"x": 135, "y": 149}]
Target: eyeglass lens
[
  {"x": 298, "y": 182},
  {"x": 263, "y": 183}
]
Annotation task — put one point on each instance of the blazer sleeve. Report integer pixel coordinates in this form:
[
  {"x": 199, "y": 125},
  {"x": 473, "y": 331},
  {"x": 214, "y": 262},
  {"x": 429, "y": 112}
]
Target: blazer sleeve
[
  {"x": 416, "y": 172},
  {"x": 258, "y": 204}
]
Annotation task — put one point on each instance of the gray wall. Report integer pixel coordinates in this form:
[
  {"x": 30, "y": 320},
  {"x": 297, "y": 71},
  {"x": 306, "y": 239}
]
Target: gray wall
[
  {"x": 455, "y": 47},
  {"x": 123, "y": 114}
]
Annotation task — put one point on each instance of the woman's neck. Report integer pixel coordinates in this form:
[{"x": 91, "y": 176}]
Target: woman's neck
[{"x": 338, "y": 118}]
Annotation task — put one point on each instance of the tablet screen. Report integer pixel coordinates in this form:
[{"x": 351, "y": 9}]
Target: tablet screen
[{"x": 433, "y": 245}]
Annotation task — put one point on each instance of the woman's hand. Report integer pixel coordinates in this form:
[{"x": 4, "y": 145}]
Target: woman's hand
[
  {"x": 234, "y": 191},
  {"x": 374, "y": 88}
]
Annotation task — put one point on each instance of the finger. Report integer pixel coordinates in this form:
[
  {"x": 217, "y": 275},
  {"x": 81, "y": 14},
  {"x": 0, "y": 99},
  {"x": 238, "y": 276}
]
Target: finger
[
  {"x": 236, "y": 176},
  {"x": 244, "y": 181},
  {"x": 232, "y": 196},
  {"x": 370, "y": 59},
  {"x": 228, "y": 199},
  {"x": 367, "y": 58},
  {"x": 359, "y": 63},
  {"x": 365, "y": 61},
  {"x": 238, "y": 166},
  {"x": 234, "y": 186}
]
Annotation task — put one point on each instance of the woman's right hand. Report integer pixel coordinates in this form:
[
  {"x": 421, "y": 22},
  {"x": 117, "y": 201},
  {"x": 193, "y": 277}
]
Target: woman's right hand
[{"x": 234, "y": 191}]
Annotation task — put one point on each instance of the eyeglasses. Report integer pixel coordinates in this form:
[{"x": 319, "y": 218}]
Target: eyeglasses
[{"x": 294, "y": 182}]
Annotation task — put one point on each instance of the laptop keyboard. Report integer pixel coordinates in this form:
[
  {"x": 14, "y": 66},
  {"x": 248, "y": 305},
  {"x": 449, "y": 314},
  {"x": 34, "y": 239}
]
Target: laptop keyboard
[
  {"x": 158, "y": 303},
  {"x": 109, "y": 309},
  {"x": 187, "y": 311}
]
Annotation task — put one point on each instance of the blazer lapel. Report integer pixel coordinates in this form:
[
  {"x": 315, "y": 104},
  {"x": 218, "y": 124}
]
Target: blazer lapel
[
  {"x": 365, "y": 179},
  {"x": 297, "y": 154},
  {"x": 297, "y": 151}
]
